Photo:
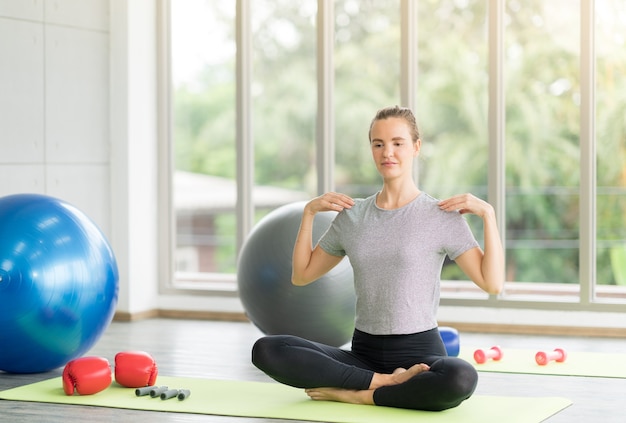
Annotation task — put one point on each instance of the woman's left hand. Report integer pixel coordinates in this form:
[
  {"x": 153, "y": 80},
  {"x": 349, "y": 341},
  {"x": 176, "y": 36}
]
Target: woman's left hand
[{"x": 466, "y": 203}]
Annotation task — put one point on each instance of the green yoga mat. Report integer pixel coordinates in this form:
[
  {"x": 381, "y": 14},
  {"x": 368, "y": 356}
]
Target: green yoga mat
[
  {"x": 273, "y": 400},
  {"x": 585, "y": 364}
]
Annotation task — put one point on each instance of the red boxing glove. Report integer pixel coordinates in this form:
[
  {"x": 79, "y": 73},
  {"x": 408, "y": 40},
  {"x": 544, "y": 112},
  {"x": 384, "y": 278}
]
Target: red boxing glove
[
  {"x": 135, "y": 369},
  {"x": 88, "y": 375}
]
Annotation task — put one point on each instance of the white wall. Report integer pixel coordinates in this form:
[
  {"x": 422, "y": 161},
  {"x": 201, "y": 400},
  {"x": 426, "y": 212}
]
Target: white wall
[
  {"x": 78, "y": 121},
  {"x": 54, "y": 120},
  {"x": 134, "y": 146}
]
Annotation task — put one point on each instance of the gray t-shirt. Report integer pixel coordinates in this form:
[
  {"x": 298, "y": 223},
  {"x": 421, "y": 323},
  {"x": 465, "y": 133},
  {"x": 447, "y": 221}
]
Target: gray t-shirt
[{"x": 397, "y": 256}]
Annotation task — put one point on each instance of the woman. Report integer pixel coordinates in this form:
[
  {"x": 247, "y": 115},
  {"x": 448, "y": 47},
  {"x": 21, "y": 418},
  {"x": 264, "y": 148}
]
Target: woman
[{"x": 396, "y": 240}]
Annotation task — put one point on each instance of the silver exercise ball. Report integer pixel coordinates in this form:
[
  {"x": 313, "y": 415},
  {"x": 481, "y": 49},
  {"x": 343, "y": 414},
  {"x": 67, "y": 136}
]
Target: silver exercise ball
[{"x": 322, "y": 311}]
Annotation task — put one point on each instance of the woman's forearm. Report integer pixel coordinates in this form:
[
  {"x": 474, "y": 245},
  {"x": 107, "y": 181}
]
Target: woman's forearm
[
  {"x": 493, "y": 260},
  {"x": 303, "y": 249}
]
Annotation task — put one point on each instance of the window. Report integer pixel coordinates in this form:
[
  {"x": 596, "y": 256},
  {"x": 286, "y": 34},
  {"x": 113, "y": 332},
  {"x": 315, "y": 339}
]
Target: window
[
  {"x": 283, "y": 100},
  {"x": 367, "y": 77},
  {"x": 543, "y": 117},
  {"x": 541, "y": 68},
  {"x": 610, "y": 95},
  {"x": 203, "y": 138},
  {"x": 452, "y": 107}
]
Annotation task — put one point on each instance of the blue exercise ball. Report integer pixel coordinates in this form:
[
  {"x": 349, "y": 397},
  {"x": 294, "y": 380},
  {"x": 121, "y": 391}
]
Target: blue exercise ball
[
  {"x": 58, "y": 283},
  {"x": 451, "y": 340},
  {"x": 322, "y": 311}
]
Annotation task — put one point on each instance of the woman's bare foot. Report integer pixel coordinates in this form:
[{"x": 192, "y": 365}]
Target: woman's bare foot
[
  {"x": 342, "y": 395},
  {"x": 398, "y": 376},
  {"x": 366, "y": 396}
]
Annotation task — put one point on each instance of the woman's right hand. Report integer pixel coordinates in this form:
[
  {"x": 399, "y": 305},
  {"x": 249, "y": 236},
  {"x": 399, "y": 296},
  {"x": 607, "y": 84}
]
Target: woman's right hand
[
  {"x": 331, "y": 201},
  {"x": 309, "y": 264}
]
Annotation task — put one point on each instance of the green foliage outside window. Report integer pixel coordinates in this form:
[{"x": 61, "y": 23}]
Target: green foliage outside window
[{"x": 542, "y": 116}]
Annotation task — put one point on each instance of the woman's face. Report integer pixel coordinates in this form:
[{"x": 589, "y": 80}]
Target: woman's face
[{"x": 393, "y": 150}]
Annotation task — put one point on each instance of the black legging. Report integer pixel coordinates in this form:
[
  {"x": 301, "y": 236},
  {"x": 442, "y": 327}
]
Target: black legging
[{"x": 305, "y": 364}]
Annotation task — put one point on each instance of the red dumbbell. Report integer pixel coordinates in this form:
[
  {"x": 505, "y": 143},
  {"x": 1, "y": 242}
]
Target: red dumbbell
[
  {"x": 494, "y": 353},
  {"x": 542, "y": 358}
]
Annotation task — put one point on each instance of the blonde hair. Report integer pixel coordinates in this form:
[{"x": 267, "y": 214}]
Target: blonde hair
[{"x": 397, "y": 112}]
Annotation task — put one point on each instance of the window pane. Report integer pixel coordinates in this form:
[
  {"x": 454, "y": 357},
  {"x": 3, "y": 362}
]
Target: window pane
[
  {"x": 284, "y": 91},
  {"x": 452, "y": 104},
  {"x": 203, "y": 97},
  {"x": 611, "y": 147},
  {"x": 542, "y": 140},
  {"x": 367, "y": 78}
]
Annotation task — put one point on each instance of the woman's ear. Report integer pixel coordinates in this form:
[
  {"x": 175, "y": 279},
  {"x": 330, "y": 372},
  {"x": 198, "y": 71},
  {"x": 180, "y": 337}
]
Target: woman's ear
[{"x": 417, "y": 145}]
